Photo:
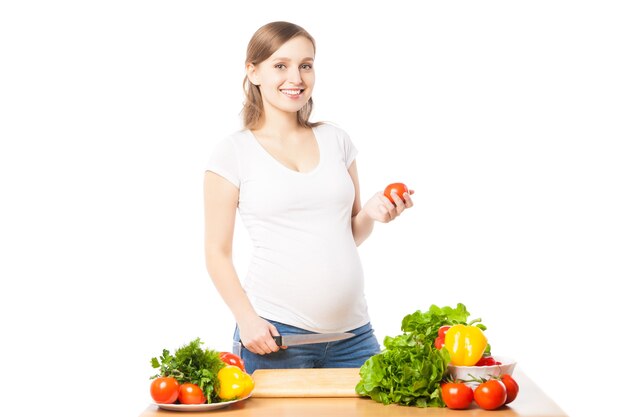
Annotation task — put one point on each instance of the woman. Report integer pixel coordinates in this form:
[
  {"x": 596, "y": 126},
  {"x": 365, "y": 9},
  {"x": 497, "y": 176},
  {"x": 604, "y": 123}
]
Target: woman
[{"x": 296, "y": 187}]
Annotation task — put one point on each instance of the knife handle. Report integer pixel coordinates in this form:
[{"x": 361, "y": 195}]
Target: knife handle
[{"x": 278, "y": 340}]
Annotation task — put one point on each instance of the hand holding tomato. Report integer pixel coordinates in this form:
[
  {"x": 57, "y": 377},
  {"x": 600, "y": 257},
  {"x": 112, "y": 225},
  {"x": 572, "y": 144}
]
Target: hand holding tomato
[
  {"x": 386, "y": 206},
  {"x": 397, "y": 188}
]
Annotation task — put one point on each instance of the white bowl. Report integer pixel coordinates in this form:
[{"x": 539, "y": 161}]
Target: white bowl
[{"x": 467, "y": 372}]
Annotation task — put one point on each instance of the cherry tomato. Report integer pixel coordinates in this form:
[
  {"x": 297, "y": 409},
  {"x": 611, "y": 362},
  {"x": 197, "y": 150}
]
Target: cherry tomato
[
  {"x": 232, "y": 359},
  {"x": 232, "y": 384},
  {"x": 512, "y": 388},
  {"x": 490, "y": 395},
  {"x": 191, "y": 394},
  {"x": 486, "y": 361},
  {"x": 399, "y": 188},
  {"x": 164, "y": 390},
  {"x": 457, "y": 395}
]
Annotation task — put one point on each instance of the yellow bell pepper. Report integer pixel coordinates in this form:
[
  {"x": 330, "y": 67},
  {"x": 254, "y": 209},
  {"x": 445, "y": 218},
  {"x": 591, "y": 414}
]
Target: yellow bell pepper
[{"x": 465, "y": 344}]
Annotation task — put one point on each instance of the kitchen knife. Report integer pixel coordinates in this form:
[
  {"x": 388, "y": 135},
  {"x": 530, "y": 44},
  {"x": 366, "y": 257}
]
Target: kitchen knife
[{"x": 303, "y": 339}]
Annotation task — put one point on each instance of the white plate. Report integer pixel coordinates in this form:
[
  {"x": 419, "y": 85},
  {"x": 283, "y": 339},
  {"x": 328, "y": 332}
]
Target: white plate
[{"x": 199, "y": 407}]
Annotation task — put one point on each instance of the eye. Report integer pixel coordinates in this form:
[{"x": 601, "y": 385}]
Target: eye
[
  {"x": 280, "y": 66},
  {"x": 307, "y": 66}
]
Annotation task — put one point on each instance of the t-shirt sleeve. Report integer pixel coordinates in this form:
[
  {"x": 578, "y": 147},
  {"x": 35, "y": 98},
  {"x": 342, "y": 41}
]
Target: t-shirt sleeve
[
  {"x": 224, "y": 162},
  {"x": 350, "y": 151}
]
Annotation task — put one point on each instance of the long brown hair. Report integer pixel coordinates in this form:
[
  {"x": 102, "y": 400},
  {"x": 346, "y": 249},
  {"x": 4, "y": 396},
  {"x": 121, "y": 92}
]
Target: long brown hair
[{"x": 265, "y": 41}]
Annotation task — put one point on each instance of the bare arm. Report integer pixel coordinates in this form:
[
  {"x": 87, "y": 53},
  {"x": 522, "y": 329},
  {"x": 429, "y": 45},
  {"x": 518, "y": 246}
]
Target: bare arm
[
  {"x": 377, "y": 208},
  {"x": 362, "y": 225},
  {"x": 220, "y": 208}
]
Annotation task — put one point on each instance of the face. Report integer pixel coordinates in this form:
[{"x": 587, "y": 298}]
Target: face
[{"x": 286, "y": 78}]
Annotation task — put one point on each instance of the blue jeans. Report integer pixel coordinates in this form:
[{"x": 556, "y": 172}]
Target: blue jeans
[{"x": 347, "y": 353}]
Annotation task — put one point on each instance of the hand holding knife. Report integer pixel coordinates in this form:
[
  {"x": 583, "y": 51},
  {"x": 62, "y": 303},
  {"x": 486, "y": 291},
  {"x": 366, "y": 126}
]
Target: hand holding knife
[{"x": 309, "y": 338}]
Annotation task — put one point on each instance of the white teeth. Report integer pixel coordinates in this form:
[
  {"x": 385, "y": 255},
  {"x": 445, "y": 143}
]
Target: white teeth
[{"x": 291, "y": 92}]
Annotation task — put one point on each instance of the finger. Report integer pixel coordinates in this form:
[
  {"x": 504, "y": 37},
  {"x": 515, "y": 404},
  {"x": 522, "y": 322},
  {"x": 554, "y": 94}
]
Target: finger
[
  {"x": 269, "y": 346},
  {"x": 408, "y": 202},
  {"x": 254, "y": 349},
  {"x": 261, "y": 348},
  {"x": 385, "y": 217},
  {"x": 401, "y": 205},
  {"x": 398, "y": 200},
  {"x": 388, "y": 204},
  {"x": 271, "y": 342},
  {"x": 272, "y": 346},
  {"x": 259, "y": 351},
  {"x": 396, "y": 208}
]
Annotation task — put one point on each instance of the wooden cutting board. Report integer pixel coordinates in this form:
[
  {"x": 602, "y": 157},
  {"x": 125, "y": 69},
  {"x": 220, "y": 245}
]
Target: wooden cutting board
[{"x": 322, "y": 382}]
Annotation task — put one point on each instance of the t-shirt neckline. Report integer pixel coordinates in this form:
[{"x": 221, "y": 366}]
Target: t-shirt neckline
[{"x": 285, "y": 167}]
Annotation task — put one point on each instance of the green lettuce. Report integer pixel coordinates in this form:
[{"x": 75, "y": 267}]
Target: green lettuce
[{"x": 409, "y": 370}]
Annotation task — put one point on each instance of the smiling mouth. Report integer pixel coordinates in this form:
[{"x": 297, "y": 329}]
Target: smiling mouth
[{"x": 292, "y": 92}]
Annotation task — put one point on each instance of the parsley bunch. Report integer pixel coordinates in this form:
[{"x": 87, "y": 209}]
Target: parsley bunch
[{"x": 191, "y": 363}]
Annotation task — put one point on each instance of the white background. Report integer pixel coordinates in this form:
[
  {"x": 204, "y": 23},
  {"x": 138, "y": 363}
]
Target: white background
[{"x": 506, "y": 118}]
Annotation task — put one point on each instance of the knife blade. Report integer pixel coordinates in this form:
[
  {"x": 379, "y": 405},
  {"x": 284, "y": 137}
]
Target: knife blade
[{"x": 303, "y": 339}]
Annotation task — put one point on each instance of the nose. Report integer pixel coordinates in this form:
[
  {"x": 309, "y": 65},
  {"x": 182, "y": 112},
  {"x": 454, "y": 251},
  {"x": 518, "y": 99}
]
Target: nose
[{"x": 293, "y": 75}]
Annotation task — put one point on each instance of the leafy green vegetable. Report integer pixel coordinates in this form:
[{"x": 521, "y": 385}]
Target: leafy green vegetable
[
  {"x": 410, "y": 369},
  {"x": 407, "y": 372},
  {"x": 191, "y": 363}
]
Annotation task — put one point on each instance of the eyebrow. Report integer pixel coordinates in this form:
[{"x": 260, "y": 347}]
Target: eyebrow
[{"x": 289, "y": 59}]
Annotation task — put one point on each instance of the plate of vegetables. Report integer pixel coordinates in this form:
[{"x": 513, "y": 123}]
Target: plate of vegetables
[{"x": 199, "y": 379}]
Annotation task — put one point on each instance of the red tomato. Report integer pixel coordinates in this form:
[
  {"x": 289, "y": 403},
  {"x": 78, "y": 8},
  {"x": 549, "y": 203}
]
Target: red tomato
[
  {"x": 232, "y": 359},
  {"x": 512, "y": 388},
  {"x": 486, "y": 361},
  {"x": 490, "y": 395},
  {"x": 399, "y": 188},
  {"x": 164, "y": 390},
  {"x": 191, "y": 394},
  {"x": 440, "y": 342},
  {"x": 457, "y": 395},
  {"x": 442, "y": 331}
]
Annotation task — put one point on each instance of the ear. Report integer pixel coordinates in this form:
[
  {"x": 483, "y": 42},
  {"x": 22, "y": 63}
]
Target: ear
[{"x": 252, "y": 75}]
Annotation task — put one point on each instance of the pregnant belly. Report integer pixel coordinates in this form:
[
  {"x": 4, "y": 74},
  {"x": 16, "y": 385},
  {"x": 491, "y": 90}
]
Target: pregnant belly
[{"x": 321, "y": 291}]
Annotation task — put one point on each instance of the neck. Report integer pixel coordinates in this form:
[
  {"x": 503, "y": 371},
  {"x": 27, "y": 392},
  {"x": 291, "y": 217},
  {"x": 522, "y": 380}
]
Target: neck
[{"x": 280, "y": 122}]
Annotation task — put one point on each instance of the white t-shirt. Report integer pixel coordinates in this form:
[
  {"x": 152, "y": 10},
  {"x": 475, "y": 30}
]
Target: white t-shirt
[{"x": 305, "y": 270}]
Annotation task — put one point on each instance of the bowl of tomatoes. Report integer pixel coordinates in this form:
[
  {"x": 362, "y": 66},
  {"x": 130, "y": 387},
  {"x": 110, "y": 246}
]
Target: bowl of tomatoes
[{"x": 486, "y": 368}]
